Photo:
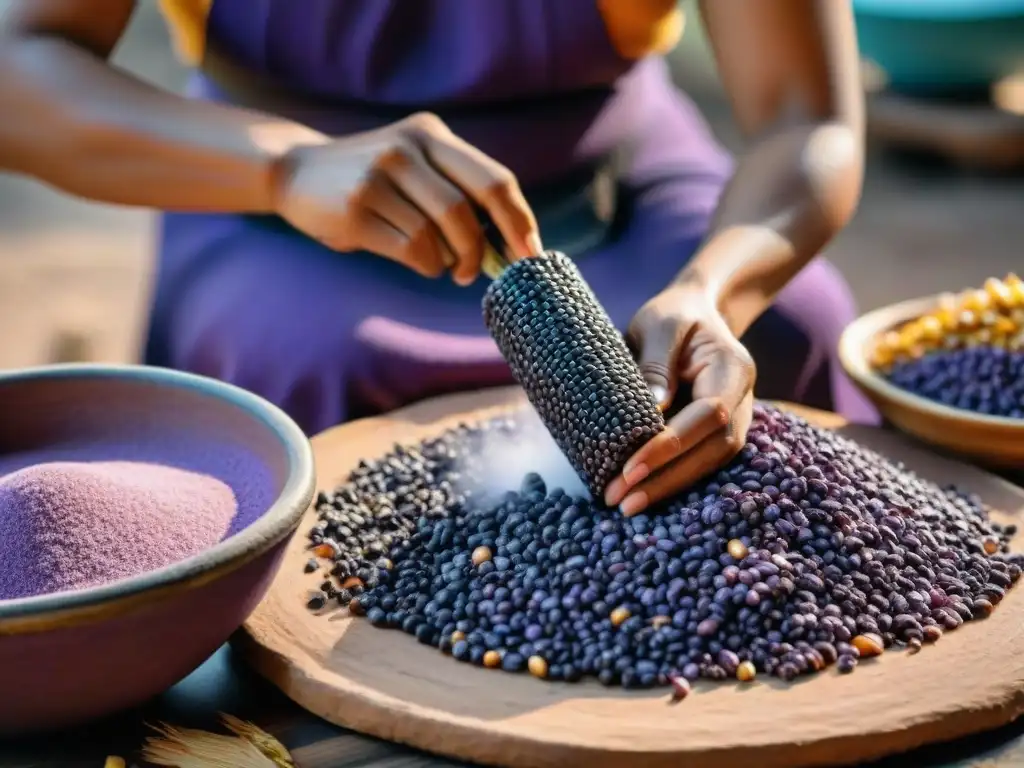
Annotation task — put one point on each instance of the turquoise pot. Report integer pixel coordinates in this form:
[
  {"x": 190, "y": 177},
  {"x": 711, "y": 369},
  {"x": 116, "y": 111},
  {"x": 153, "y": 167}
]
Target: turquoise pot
[{"x": 942, "y": 46}]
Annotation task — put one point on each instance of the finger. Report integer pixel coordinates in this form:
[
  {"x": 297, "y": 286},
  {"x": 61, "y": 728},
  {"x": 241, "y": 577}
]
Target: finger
[
  {"x": 695, "y": 423},
  {"x": 426, "y": 252},
  {"x": 658, "y": 358},
  {"x": 449, "y": 209},
  {"x": 728, "y": 374},
  {"x": 491, "y": 186},
  {"x": 381, "y": 237},
  {"x": 680, "y": 474}
]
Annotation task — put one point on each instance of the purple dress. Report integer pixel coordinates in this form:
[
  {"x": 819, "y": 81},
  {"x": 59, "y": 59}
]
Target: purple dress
[{"x": 555, "y": 91}]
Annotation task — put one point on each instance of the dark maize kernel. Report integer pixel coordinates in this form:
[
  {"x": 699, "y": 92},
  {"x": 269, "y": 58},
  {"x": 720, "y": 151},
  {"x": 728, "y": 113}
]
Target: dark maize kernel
[
  {"x": 844, "y": 554},
  {"x": 573, "y": 365},
  {"x": 986, "y": 380}
]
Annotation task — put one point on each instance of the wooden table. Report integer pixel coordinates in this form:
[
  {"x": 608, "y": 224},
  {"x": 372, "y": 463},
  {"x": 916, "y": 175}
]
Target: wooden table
[{"x": 223, "y": 684}]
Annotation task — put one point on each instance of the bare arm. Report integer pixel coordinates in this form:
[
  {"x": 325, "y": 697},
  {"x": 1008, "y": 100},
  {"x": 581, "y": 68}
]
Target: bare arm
[
  {"x": 792, "y": 73},
  {"x": 74, "y": 121}
]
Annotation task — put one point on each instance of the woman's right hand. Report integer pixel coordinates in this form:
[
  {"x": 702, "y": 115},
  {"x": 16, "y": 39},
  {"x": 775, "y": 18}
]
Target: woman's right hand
[{"x": 407, "y": 191}]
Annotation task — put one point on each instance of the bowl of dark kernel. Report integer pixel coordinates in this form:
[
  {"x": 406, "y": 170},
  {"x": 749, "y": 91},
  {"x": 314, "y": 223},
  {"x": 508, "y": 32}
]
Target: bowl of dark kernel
[{"x": 948, "y": 369}]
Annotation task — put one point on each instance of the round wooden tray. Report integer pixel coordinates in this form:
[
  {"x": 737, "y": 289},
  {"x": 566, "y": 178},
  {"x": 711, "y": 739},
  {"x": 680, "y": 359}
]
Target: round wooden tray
[{"x": 385, "y": 684}]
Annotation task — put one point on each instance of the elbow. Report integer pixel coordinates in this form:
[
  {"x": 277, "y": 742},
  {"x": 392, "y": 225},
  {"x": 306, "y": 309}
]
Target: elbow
[{"x": 832, "y": 166}]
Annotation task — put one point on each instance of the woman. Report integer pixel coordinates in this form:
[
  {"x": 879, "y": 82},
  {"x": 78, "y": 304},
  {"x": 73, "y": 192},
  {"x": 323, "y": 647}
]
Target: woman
[{"x": 314, "y": 202}]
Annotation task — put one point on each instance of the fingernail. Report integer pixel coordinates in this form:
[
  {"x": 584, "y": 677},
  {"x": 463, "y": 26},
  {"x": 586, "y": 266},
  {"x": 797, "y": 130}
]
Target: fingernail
[
  {"x": 633, "y": 504},
  {"x": 660, "y": 393},
  {"x": 462, "y": 280},
  {"x": 634, "y": 475}
]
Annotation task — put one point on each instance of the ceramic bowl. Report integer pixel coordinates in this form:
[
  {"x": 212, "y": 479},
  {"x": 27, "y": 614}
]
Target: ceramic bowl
[
  {"x": 69, "y": 657},
  {"x": 992, "y": 440},
  {"x": 932, "y": 47}
]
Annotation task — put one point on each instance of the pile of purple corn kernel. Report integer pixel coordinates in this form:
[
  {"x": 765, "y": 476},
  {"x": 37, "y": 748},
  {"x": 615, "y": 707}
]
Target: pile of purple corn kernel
[
  {"x": 984, "y": 379},
  {"x": 807, "y": 550}
]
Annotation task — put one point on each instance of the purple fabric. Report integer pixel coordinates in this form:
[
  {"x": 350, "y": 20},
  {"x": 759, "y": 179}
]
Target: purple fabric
[
  {"x": 425, "y": 53},
  {"x": 331, "y": 337},
  {"x": 534, "y": 84}
]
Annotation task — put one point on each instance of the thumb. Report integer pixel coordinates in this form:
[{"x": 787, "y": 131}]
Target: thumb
[{"x": 658, "y": 358}]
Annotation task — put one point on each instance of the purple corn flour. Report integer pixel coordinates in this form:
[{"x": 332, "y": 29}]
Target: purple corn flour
[{"x": 77, "y": 515}]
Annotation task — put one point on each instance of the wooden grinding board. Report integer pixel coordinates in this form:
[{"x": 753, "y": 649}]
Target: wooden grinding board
[{"x": 386, "y": 684}]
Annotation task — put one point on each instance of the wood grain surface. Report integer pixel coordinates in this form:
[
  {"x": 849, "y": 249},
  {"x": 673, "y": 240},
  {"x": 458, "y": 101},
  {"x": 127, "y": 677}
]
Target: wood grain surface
[{"x": 384, "y": 684}]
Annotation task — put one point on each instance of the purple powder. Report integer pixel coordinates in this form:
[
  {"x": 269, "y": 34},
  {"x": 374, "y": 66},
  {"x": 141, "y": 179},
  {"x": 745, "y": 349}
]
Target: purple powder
[
  {"x": 67, "y": 525},
  {"x": 76, "y": 514}
]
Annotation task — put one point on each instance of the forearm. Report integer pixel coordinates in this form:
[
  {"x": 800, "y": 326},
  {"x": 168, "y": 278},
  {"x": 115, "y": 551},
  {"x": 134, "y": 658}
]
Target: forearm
[
  {"x": 75, "y": 122},
  {"x": 791, "y": 193}
]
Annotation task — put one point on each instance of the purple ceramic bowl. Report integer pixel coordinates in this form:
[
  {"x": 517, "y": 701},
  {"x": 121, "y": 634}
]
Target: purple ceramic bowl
[{"x": 69, "y": 657}]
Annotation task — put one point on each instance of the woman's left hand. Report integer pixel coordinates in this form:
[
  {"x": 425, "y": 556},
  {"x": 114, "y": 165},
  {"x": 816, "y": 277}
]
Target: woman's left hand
[{"x": 681, "y": 335}]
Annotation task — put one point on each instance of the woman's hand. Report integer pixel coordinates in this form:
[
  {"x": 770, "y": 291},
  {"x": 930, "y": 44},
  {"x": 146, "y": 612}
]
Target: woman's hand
[
  {"x": 680, "y": 334},
  {"x": 408, "y": 191}
]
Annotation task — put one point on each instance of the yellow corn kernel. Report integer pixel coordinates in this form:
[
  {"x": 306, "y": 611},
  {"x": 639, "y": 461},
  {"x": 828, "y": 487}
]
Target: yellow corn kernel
[
  {"x": 1003, "y": 326},
  {"x": 1000, "y": 294},
  {"x": 947, "y": 319},
  {"x": 882, "y": 357},
  {"x": 966, "y": 320},
  {"x": 1015, "y": 287},
  {"x": 931, "y": 328},
  {"x": 976, "y": 301},
  {"x": 987, "y": 318},
  {"x": 909, "y": 337}
]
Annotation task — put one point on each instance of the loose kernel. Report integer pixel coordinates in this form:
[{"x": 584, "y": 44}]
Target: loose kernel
[
  {"x": 457, "y": 636},
  {"x": 846, "y": 664},
  {"x": 932, "y": 633},
  {"x": 619, "y": 615},
  {"x": 352, "y": 581},
  {"x": 492, "y": 659},
  {"x": 537, "y": 666},
  {"x": 113, "y": 761},
  {"x": 746, "y": 671},
  {"x": 869, "y": 644},
  {"x": 680, "y": 687},
  {"x": 990, "y": 544},
  {"x": 481, "y": 555},
  {"x": 660, "y": 621},
  {"x": 982, "y": 608},
  {"x": 736, "y": 549},
  {"x": 913, "y": 646},
  {"x": 325, "y": 551}
]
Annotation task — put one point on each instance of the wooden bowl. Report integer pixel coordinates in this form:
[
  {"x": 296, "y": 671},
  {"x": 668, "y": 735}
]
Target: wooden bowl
[
  {"x": 995, "y": 441},
  {"x": 69, "y": 657}
]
